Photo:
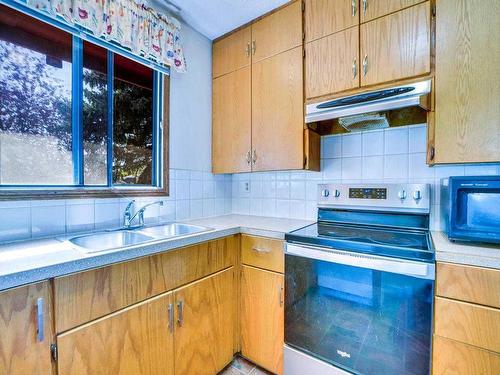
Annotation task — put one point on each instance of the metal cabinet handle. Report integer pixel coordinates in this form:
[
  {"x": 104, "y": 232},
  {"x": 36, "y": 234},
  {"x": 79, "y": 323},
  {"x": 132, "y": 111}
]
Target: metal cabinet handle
[
  {"x": 254, "y": 47},
  {"x": 365, "y": 5},
  {"x": 354, "y": 68},
  {"x": 180, "y": 313},
  {"x": 248, "y": 49},
  {"x": 254, "y": 157},
  {"x": 260, "y": 250},
  {"x": 171, "y": 317},
  {"x": 281, "y": 296},
  {"x": 354, "y": 7},
  {"x": 249, "y": 157},
  {"x": 365, "y": 65},
  {"x": 39, "y": 320}
]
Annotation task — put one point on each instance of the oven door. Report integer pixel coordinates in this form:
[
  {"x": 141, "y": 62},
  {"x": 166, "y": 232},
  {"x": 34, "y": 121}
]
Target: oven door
[{"x": 362, "y": 313}]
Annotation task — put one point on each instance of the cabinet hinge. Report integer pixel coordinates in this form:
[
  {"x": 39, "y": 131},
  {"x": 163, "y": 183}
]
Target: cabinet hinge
[
  {"x": 303, "y": 6},
  {"x": 432, "y": 153},
  {"x": 433, "y": 10},
  {"x": 305, "y": 161},
  {"x": 53, "y": 352},
  {"x": 304, "y": 53},
  {"x": 303, "y": 35}
]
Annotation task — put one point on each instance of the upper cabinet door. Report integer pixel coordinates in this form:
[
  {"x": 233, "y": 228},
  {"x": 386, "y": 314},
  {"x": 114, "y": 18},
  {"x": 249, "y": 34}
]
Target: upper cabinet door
[
  {"x": 325, "y": 17},
  {"x": 332, "y": 63},
  {"x": 26, "y": 330},
  {"x": 231, "y": 127},
  {"x": 137, "y": 340},
  {"x": 396, "y": 46},
  {"x": 467, "y": 126},
  {"x": 277, "y": 112},
  {"x": 278, "y": 32},
  {"x": 370, "y": 9},
  {"x": 206, "y": 320},
  {"x": 232, "y": 52}
]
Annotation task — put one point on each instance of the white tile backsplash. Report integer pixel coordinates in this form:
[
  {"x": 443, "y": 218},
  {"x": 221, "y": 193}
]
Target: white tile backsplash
[
  {"x": 193, "y": 194},
  {"x": 396, "y": 155}
]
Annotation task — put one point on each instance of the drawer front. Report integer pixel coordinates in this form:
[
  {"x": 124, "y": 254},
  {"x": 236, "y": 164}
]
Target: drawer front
[
  {"x": 471, "y": 324},
  {"x": 468, "y": 283},
  {"x": 262, "y": 252},
  {"x": 85, "y": 296},
  {"x": 452, "y": 357}
]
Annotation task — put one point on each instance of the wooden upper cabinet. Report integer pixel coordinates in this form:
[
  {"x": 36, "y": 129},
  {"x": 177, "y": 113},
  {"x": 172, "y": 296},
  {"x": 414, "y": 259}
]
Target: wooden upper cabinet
[
  {"x": 135, "y": 341},
  {"x": 232, "y": 122},
  {"x": 467, "y": 125},
  {"x": 232, "y": 52},
  {"x": 325, "y": 17},
  {"x": 24, "y": 340},
  {"x": 277, "y": 112},
  {"x": 277, "y": 32},
  {"x": 370, "y": 9},
  {"x": 262, "y": 318},
  {"x": 205, "y": 323},
  {"x": 332, "y": 63},
  {"x": 396, "y": 46}
]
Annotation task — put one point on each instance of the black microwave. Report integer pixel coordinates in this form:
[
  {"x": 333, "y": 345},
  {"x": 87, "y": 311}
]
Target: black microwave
[{"x": 472, "y": 208}]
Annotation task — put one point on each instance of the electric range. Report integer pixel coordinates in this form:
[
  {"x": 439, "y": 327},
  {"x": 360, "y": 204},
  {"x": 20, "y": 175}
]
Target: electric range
[{"x": 359, "y": 283}]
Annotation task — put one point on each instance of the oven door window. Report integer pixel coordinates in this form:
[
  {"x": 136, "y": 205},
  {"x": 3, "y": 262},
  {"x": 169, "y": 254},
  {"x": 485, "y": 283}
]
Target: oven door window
[{"x": 362, "y": 320}]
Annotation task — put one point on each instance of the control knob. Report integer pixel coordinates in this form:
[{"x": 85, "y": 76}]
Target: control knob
[
  {"x": 402, "y": 194},
  {"x": 417, "y": 195},
  {"x": 325, "y": 193},
  {"x": 337, "y": 193}
]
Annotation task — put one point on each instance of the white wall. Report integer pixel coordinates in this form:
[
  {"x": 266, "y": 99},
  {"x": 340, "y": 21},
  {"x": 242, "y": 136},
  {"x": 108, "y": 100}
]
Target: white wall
[{"x": 191, "y": 106}]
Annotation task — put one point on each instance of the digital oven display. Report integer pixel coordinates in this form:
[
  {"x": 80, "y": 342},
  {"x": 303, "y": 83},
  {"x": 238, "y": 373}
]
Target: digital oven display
[{"x": 368, "y": 193}]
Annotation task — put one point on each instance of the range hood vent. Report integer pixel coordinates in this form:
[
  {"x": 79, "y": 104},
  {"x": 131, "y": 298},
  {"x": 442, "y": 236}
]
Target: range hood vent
[{"x": 373, "y": 101}]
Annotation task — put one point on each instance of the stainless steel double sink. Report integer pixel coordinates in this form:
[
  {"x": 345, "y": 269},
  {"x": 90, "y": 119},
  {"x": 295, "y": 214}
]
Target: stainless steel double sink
[{"x": 123, "y": 238}]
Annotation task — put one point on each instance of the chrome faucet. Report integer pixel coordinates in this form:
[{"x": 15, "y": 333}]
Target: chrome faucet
[{"x": 128, "y": 217}]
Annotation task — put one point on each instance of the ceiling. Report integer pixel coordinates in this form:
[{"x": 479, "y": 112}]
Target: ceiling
[{"x": 214, "y": 18}]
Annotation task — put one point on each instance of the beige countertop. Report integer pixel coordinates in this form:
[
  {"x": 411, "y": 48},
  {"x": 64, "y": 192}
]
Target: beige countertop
[{"x": 481, "y": 255}]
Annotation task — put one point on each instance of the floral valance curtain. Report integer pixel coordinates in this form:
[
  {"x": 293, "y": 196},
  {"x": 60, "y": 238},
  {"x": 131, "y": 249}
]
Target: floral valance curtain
[{"x": 130, "y": 23}]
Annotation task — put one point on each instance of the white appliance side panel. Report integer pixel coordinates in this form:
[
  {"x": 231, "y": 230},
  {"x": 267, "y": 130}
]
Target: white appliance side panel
[{"x": 298, "y": 363}]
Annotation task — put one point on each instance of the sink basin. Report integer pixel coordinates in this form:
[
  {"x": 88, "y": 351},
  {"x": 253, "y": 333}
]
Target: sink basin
[
  {"x": 173, "y": 230},
  {"x": 97, "y": 242}
]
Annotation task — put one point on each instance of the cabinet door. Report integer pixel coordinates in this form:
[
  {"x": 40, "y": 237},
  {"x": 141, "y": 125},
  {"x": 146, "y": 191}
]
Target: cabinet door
[
  {"x": 325, "y": 17},
  {"x": 277, "y": 32},
  {"x": 371, "y": 9},
  {"x": 134, "y": 341},
  {"x": 232, "y": 52},
  {"x": 262, "y": 318},
  {"x": 277, "y": 112},
  {"x": 231, "y": 135},
  {"x": 332, "y": 63},
  {"x": 206, "y": 318},
  {"x": 467, "y": 126},
  {"x": 396, "y": 46},
  {"x": 24, "y": 339}
]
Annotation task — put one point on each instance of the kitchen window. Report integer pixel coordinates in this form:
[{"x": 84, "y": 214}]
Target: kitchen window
[{"x": 76, "y": 118}]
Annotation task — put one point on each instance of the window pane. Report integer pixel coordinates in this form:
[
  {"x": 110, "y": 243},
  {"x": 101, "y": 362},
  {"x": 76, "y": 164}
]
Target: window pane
[
  {"x": 133, "y": 123},
  {"x": 95, "y": 112},
  {"x": 35, "y": 102}
]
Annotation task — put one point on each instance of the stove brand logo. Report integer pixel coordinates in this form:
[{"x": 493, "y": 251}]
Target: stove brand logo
[{"x": 343, "y": 354}]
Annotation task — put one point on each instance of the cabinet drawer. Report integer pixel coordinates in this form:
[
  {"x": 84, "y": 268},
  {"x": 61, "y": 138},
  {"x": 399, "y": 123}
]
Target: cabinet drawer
[
  {"x": 452, "y": 357},
  {"x": 468, "y": 283},
  {"x": 471, "y": 324},
  {"x": 85, "y": 296},
  {"x": 262, "y": 252}
]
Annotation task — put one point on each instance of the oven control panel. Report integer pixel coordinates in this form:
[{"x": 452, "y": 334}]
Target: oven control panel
[{"x": 390, "y": 197}]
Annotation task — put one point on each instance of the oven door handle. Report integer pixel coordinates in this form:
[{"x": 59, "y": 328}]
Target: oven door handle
[{"x": 421, "y": 270}]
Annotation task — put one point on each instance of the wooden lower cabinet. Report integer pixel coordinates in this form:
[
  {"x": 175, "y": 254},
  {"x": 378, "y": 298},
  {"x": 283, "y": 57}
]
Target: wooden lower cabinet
[
  {"x": 262, "y": 318},
  {"x": 205, "y": 323},
  {"x": 135, "y": 341},
  {"x": 455, "y": 358},
  {"x": 24, "y": 340}
]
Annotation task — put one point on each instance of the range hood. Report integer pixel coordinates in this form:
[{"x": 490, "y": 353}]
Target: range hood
[{"x": 372, "y": 101}]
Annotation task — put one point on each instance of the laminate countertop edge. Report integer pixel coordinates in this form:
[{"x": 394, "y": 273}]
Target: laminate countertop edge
[{"x": 32, "y": 261}]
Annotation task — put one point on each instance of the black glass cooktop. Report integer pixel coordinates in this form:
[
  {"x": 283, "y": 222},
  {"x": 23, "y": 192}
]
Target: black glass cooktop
[{"x": 401, "y": 243}]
